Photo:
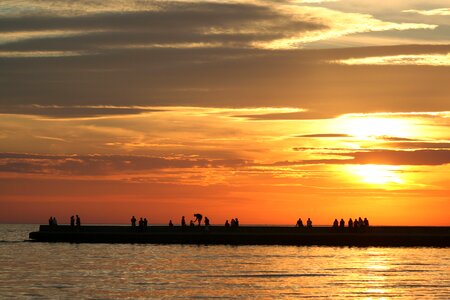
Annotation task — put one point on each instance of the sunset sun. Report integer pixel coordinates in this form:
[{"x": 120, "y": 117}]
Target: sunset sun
[
  {"x": 377, "y": 174},
  {"x": 366, "y": 127}
]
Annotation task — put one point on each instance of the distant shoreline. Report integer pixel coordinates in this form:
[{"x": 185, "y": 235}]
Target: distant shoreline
[{"x": 389, "y": 236}]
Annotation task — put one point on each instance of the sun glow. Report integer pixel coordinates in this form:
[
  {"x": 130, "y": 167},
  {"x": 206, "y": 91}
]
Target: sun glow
[
  {"x": 370, "y": 127},
  {"x": 377, "y": 174}
]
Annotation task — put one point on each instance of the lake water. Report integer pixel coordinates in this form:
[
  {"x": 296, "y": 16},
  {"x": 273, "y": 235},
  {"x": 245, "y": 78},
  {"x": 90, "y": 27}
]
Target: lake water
[{"x": 104, "y": 271}]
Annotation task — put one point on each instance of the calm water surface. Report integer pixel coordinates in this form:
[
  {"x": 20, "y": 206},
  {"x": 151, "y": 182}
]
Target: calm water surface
[{"x": 40, "y": 270}]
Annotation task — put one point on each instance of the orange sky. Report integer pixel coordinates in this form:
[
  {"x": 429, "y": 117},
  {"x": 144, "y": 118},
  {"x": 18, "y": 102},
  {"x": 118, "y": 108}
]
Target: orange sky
[{"x": 266, "y": 111}]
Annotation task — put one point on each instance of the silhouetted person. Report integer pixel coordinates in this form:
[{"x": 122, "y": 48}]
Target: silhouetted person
[
  {"x": 299, "y": 222},
  {"x": 170, "y": 223},
  {"x": 141, "y": 223},
  {"x": 55, "y": 223},
  {"x": 145, "y": 222},
  {"x": 133, "y": 221},
  {"x": 309, "y": 223},
  {"x": 191, "y": 223},
  {"x": 198, "y": 218},
  {"x": 342, "y": 223},
  {"x": 233, "y": 223},
  {"x": 78, "y": 221},
  {"x": 350, "y": 223},
  {"x": 360, "y": 222},
  {"x": 335, "y": 224},
  {"x": 50, "y": 221},
  {"x": 366, "y": 222},
  {"x": 72, "y": 221},
  {"x": 236, "y": 222},
  {"x": 355, "y": 223},
  {"x": 227, "y": 224},
  {"x": 206, "y": 221},
  {"x": 183, "y": 222}
]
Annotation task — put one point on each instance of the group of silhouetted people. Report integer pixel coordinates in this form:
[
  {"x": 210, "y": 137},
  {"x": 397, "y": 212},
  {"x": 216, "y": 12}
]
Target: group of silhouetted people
[
  {"x": 198, "y": 218},
  {"x": 357, "y": 223},
  {"x": 234, "y": 223},
  {"x": 354, "y": 225},
  {"x": 73, "y": 221},
  {"x": 52, "y": 221},
  {"x": 143, "y": 223},
  {"x": 300, "y": 223}
]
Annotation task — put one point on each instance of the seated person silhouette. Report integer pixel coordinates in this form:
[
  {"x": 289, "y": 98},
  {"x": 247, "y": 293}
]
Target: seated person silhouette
[
  {"x": 366, "y": 222},
  {"x": 309, "y": 223},
  {"x": 299, "y": 222},
  {"x": 78, "y": 221},
  {"x": 141, "y": 223},
  {"x": 183, "y": 221},
  {"x": 191, "y": 223},
  {"x": 350, "y": 223},
  {"x": 145, "y": 222},
  {"x": 227, "y": 224},
  {"x": 206, "y": 221},
  {"x": 335, "y": 223},
  {"x": 133, "y": 221},
  {"x": 170, "y": 223},
  {"x": 236, "y": 222},
  {"x": 342, "y": 223},
  {"x": 50, "y": 221},
  {"x": 72, "y": 221}
]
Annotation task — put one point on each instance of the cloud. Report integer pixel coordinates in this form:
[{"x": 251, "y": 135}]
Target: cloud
[
  {"x": 184, "y": 53},
  {"x": 257, "y": 24},
  {"x": 420, "y": 145},
  {"x": 422, "y": 59},
  {"x": 395, "y": 139},
  {"x": 324, "y": 135},
  {"x": 431, "y": 12},
  {"x": 174, "y": 23},
  {"x": 89, "y": 165},
  {"x": 302, "y": 115},
  {"x": 57, "y": 111},
  {"x": 386, "y": 157}
]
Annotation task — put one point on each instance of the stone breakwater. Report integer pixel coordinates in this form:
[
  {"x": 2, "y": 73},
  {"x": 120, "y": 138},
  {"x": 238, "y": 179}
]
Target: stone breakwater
[{"x": 386, "y": 236}]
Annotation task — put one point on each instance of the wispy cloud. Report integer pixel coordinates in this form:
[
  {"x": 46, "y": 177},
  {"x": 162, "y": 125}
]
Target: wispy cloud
[
  {"x": 421, "y": 60},
  {"x": 430, "y": 12},
  {"x": 386, "y": 157}
]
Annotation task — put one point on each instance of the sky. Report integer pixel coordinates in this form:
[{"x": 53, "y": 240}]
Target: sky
[{"x": 263, "y": 110}]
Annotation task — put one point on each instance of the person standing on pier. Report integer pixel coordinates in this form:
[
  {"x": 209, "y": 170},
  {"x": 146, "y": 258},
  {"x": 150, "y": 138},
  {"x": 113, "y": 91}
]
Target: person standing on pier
[
  {"x": 198, "y": 218},
  {"x": 183, "y": 222},
  {"x": 299, "y": 222},
  {"x": 133, "y": 221},
  {"x": 170, "y": 223},
  {"x": 72, "y": 221},
  {"x": 145, "y": 222},
  {"x": 78, "y": 221},
  {"x": 342, "y": 223},
  {"x": 350, "y": 223}
]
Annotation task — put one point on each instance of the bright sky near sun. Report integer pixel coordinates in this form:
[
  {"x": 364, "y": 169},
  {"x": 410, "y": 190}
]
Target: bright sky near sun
[{"x": 263, "y": 110}]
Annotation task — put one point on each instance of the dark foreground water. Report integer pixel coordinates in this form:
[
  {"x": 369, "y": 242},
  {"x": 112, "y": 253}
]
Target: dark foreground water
[{"x": 104, "y": 271}]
